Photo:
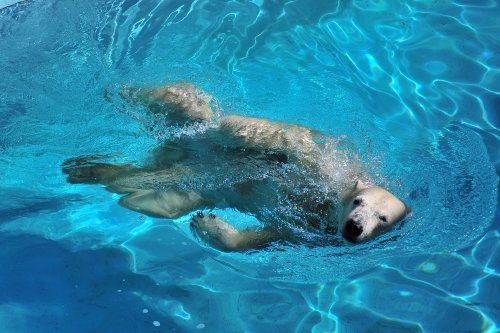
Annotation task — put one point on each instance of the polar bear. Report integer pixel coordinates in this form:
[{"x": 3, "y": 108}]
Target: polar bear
[{"x": 280, "y": 166}]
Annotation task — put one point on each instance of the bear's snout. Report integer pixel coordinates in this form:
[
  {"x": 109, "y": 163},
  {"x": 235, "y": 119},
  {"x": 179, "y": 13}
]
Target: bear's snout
[{"x": 352, "y": 230}]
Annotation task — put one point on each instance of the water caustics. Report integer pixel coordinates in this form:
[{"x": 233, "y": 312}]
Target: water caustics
[{"x": 413, "y": 86}]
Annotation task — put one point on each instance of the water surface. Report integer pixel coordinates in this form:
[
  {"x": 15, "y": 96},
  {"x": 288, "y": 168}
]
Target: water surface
[{"x": 413, "y": 86}]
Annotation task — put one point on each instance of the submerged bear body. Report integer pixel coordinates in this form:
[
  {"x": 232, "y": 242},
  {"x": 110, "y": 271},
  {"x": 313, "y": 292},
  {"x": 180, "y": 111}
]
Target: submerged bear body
[{"x": 283, "y": 174}]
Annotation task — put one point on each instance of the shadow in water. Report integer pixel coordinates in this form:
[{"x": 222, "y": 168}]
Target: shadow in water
[
  {"x": 29, "y": 204},
  {"x": 46, "y": 288}
]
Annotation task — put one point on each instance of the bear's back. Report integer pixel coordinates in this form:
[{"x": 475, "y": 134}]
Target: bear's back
[{"x": 264, "y": 134}]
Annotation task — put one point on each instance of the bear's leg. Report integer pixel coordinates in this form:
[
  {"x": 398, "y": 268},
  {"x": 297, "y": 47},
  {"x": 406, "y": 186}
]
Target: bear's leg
[
  {"x": 180, "y": 102},
  {"x": 169, "y": 203},
  {"x": 84, "y": 170},
  {"x": 221, "y": 235}
]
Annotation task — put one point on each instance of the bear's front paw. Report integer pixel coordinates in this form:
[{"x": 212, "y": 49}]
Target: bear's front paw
[
  {"x": 215, "y": 231},
  {"x": 200, "y": 223}
]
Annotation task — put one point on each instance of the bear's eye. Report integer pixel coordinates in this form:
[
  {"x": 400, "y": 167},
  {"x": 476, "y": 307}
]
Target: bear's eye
[
  {"x": 382, "y": 218},
  {"x": 357, "y": 201}
]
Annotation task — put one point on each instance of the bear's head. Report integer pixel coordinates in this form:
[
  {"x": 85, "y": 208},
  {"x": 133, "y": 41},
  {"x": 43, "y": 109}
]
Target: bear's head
[{"x": 369, "y": 211}]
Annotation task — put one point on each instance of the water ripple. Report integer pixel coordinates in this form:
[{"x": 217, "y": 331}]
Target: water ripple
[
  {"x": 436, "y": 61},
  {"x": 415, "y": 84}
]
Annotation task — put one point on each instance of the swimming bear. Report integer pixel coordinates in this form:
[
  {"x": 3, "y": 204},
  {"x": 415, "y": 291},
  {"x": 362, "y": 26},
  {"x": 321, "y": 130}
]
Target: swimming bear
[{"x": 281, "y": 173}]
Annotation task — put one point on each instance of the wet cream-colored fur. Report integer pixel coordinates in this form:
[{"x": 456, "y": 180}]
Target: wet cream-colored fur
[{"x": 366, "y": 211}]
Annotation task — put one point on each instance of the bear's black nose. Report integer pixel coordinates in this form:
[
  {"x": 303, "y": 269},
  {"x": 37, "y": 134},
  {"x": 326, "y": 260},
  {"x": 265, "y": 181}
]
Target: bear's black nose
[{"x": 352, "y": 230}]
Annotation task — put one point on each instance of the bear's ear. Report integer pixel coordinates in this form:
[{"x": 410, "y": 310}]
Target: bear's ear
[{"x": 359, "y": 186}]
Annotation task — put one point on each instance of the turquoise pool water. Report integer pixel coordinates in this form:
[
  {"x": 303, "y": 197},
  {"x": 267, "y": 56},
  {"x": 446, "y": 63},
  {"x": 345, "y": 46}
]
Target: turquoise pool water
[{"x": 413, "y": 85}]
